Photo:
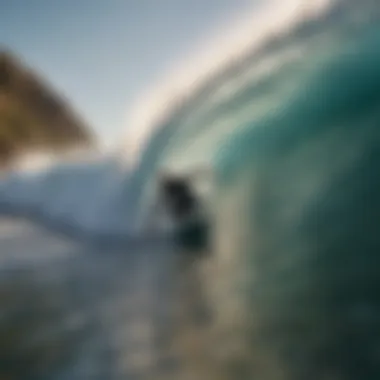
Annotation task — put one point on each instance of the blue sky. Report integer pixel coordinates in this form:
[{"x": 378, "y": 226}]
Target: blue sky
[{"x": 102, "y": 53}]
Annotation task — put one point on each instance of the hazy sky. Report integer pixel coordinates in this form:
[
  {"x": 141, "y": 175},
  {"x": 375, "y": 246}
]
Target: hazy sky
[{"x": 102, "y": 53}]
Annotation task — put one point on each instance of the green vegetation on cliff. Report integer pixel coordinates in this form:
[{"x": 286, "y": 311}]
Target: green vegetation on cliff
[{"x": 32, "y": 116}]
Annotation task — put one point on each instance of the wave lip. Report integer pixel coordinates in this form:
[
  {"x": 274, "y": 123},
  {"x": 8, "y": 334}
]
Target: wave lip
[{"x": 244, "y": 37}]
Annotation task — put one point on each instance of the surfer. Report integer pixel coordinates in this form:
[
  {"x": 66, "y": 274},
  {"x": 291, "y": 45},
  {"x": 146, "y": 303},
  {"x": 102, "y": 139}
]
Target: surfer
[
  {"x": 184, "y": 208},
  {"x": 178, "y": 198}
]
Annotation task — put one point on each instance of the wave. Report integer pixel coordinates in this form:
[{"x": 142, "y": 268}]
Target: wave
[
  {"x": 252, "y": 86},
  {"x": 281, "y": 47},
  {"x": 289, "y": 135}
]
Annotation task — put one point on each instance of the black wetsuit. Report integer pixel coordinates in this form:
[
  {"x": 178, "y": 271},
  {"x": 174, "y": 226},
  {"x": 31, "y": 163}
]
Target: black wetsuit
[
  {"x": 178, "y": 198},
  {"x": 191, "y": 233}
]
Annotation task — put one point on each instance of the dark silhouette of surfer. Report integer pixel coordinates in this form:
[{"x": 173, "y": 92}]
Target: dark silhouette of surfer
[
  {"x": 178, "y": 198},
  {"x": 183, "y": 206}
]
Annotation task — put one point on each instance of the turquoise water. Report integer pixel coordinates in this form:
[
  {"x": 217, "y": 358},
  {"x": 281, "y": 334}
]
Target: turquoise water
[
  {"x": 294, "y": 163},
  {"x": 291, "y": 87}
]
